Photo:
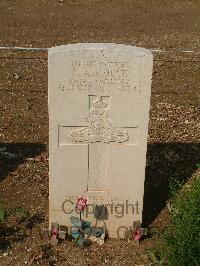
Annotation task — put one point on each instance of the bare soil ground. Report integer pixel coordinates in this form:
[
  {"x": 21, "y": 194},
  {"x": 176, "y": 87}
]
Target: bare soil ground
[{"x": 174, "y": 130}]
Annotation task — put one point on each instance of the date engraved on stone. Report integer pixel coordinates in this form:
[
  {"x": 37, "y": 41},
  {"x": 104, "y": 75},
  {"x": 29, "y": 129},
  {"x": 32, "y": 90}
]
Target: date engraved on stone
[{"x": 100, "y": 127}]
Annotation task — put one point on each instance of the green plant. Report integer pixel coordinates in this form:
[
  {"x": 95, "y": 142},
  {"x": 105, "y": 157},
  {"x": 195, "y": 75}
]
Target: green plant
[
  {"x": 156, "y": 256},
  {"x": 19, "y": 212},
  {"x": 82, "y": 229},
  {"x": 2, "y": 212},
  {"x": 182, "y": 238},
  {"x": 174, "y": 187}
]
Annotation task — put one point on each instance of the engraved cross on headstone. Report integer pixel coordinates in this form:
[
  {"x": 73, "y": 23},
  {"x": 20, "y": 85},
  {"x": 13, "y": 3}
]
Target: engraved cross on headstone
[{"x": 99, "y": 136}]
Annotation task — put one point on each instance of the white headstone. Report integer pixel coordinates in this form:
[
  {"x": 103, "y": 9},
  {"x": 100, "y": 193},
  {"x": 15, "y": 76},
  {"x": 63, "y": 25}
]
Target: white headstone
[{"x": 99, "y": 98}]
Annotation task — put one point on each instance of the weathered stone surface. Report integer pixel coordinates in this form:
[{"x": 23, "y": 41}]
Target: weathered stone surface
[{"x": 99, "y": 97}]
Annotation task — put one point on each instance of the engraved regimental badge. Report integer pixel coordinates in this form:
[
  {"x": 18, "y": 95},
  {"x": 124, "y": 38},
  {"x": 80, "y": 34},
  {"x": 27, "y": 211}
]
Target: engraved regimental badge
[{"x": 100, "y": 127}]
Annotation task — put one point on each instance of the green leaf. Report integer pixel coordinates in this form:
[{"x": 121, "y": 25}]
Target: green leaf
[
  {"x": 75, "y": 233},
  {"x": 22, "y": 213},
  {"x": 80, "y": 241},
  {"x": 97, "y": 232},
  {"x": 75, "y": 221},
  {"x": 2, "y": 215},
  {"x": 86, "y": 226}
]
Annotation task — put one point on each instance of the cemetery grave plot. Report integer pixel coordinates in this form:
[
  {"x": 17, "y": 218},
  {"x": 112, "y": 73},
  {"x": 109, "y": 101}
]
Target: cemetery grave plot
[
  {"x": 173, "y": 144},
  {"x": 173, "y": 151}
]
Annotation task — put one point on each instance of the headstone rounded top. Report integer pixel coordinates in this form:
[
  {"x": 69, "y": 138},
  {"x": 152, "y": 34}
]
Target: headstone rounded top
[
  {"x": 99, "y": 99},
  {"x": 101, "y": 46}
]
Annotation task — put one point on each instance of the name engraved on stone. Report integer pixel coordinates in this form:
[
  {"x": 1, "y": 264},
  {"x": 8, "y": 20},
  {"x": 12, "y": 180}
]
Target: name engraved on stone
[{"x": 101, "y": 74}]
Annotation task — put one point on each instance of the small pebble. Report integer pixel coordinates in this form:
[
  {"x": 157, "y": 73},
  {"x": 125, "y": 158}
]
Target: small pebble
[{"x": 16, "y": 76}]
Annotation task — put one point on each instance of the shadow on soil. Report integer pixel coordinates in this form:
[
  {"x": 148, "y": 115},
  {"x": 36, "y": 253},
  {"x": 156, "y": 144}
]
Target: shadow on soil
[
  {"x": 9, "y": 234},
  {"x": 166, "y": 163},
  {"x": 13, "y": 154}
]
